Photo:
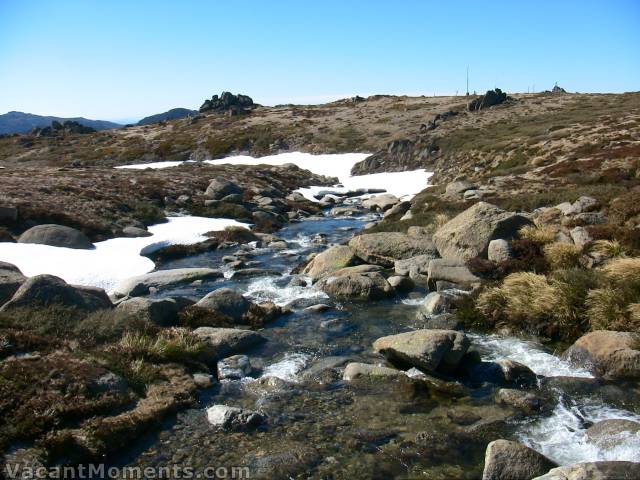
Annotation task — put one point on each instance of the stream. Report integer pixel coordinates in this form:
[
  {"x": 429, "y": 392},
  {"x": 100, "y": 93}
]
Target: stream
[{"x": 320, "y": 424}]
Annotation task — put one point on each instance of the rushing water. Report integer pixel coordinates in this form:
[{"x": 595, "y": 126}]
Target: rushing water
[{"x": 386, "y": 429}]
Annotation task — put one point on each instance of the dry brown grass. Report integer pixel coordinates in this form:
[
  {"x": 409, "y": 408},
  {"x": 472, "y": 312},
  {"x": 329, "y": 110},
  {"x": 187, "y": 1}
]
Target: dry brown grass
[
  {"x": 561, "y": 255},
  {"x": 542, "y": 234}
]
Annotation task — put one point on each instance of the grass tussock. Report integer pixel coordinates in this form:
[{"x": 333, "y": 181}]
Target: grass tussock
[
  {"x": 541, "y": 235},
  {"x": 172, "y": 345},
  {"x": 561, "y": 255},
  {"x": 608, "y": 249}
]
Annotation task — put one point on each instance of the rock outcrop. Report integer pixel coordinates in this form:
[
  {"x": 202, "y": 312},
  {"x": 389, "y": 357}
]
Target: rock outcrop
[
  {"x": 489, "y": 99},
  {"x": 228, "y": 102}
]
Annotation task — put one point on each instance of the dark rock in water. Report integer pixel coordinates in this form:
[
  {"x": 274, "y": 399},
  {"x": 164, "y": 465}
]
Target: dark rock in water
[
  {"x": 489, "y": 99},
  {"x": 228, "y": 102},
  {"x": 522, "y": 400},
  {"x": 10, "y": 280},
  {"x": 56, "y": 236},
  {"x": 613, "y": 432},
  {"x": 286, "y": 460},
  {"x": 505, "y": 460},
  {"x": 45, "y": 290},
  {"x": 235, "y": 367},
  {"x": 503, "y": 372},
  {"x": 255, "y": 272}
]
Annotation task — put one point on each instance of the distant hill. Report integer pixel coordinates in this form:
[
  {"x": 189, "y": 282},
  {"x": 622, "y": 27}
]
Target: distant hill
[
  {"x": 19, "y": 122},
  {"x": 173, "y": 114}
]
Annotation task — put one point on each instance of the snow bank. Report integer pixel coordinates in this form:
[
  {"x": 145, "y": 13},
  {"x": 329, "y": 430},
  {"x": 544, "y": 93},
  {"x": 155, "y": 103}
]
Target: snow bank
[
  {"x": 112, "y": 260},
  {"x": 401, "y": 184}
]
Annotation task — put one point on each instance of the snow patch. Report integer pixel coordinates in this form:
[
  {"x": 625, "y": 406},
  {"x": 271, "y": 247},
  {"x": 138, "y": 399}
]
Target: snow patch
[{"x": 112, "y": 260}]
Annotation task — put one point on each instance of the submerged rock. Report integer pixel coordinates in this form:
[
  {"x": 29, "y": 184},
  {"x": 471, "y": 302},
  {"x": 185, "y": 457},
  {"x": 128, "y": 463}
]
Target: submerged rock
[
  {"x": 611, "y": 433},
  {"x": 233, "y": 418},
  {"x": 428, "y": 350},
  {"x": 505, "y": 460},
  {"x": 358, "y": 370},
  {"x": 468, "y": 235},
  {"x": 56, "y": 236},
  {"x": 235, "y": 367}
]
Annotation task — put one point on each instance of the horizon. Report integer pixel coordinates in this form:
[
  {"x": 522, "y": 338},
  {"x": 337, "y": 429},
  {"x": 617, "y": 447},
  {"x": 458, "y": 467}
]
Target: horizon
[{"x": 122, "y": 62}]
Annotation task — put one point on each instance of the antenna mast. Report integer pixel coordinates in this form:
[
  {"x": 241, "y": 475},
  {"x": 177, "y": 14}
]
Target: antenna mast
[{"x": 467, "y": 80}]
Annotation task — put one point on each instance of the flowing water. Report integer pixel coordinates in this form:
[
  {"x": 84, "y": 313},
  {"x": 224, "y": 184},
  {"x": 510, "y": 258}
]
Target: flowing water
[{"x": 321, "y": 425}]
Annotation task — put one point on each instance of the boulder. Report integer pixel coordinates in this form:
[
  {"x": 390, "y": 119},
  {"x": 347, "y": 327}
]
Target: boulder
[
  {"x": 411, "y": 266},
  {"x": 387, "y": 247},
  {"x": 468, "y": 234},
  {"x": 595, "y": 471},
  {"x": 233, "y": 418},
  {"x": 332, "y": 259},
  {"x": 608, "y": 434},
  {"x": 505, "y": 460},
  {"x": 525, "y": 401},
  {"x": 503, "y": 372},
  {"x": 428, "y": 350},
  {"x": 356, "y": 284},
  {"x": 580, "y": 237},
  {"x": 609, "y": 354},
  {"x": 380, "y": 202},
  {"x": 162, "y": 311},
  {"x": 433, "y": 304},
  {"x": 218, "y": 189},
  {"x": 133, "y": 232},
  {"x": 10, "y": 280},
  {"x": 489, "y": 99},
  {"x": 499, "y": 251},
  {"x": 457, "y": 188},
  {"x": 444, "y": 321},
  {"x": 44, "y": 290},
  {"x": 56, "y": 236},
  {"x": 398, "y": 209},
  {"x": 359, "y": 370},
  {"x": 225, "y": 301},
  {"x": 224, "y": 342},
  {"x": 452, "y": 271},
  {"x": 162, "y": 279}
]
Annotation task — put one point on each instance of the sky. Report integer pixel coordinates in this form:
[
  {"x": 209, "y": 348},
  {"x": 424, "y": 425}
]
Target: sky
[{"x": 122, "y": 60}]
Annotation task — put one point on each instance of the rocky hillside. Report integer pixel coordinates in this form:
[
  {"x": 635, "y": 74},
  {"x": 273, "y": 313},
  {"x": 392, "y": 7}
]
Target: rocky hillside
[{"x": 19, "y": 122}]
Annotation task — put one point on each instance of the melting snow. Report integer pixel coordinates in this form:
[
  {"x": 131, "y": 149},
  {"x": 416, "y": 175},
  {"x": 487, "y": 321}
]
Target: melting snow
[{"x": 112, "y": 260}]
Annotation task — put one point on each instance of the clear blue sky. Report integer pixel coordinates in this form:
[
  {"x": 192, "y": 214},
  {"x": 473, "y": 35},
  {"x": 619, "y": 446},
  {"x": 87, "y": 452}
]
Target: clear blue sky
[{"x": 113, "y": 59}]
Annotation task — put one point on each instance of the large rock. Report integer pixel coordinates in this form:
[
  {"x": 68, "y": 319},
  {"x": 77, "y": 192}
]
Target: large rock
[
  {"x": 218, "y": 189},
  {"x": 452, "y": 271},
  {"x": 332, "y": 259},
  {"x": 356, "y": 283},
  {"x": 387, "y": 247},
  {"x": 428, "y": 350},
  {"x": 506, "y": 460},
  {"x": 468, "y": 234},
  {"x": 56, "y": 236},
  {"x": 380, "y": 202},
  {"x": 458, "y": 187},
  {"x": 612, "y": 355},
  {"x": 499, "y": 250},
  {"x": 224, "y": 342},
  {"x": 227, "y": 302},
  {"x": 144, "y": 284},
  {"x": 595, "y": 471},
  {"x": 161, "y": 311},
  {"x": 10, "y": 280},
  {"x": 44, "y": 290}
]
